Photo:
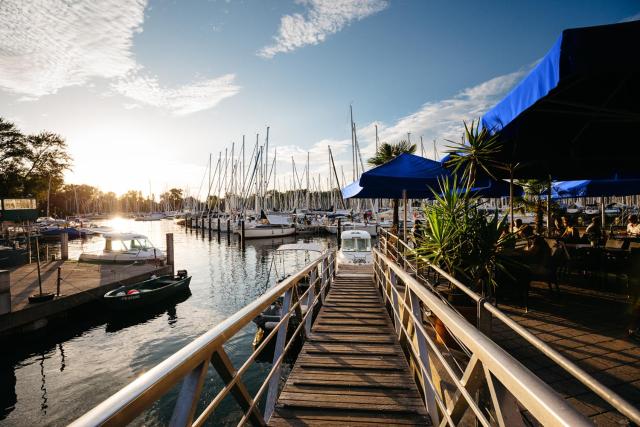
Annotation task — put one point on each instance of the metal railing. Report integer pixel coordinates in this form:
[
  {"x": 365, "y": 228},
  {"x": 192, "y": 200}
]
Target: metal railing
[
  {"x": 189, "y": 365},
  {"x": 492, "y": 383},
  {"x": 427, "y": 275}
]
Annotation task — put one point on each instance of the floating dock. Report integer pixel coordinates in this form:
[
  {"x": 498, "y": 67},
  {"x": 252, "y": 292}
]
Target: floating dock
[{"x": 80, "y": 283}]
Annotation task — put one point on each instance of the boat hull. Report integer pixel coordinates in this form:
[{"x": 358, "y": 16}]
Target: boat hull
[
  {"x": 148, "y": 298},
  {"x": 260, "y": 232}
]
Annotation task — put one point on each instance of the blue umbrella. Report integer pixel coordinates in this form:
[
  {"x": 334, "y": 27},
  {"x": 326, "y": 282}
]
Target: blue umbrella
[
  {"x": 576, "y": 114},
  {"x": 417, "y": 176},
  {"x": 595, "y": 188}
]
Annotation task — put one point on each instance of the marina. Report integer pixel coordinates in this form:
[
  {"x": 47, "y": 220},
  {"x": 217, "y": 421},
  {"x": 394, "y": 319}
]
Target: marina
[{"x": 194, "y": 230}]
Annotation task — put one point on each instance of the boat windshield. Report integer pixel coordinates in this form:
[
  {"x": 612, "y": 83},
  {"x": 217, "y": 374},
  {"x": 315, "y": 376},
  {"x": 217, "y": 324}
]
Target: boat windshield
[
  {"x": 356, "y": 245},
  {"x": 130, "y": 245}
]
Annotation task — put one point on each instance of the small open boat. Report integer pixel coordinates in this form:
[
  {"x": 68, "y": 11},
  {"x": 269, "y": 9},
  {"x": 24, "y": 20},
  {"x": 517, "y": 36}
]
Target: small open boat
[{"x": 148, "y": 292}]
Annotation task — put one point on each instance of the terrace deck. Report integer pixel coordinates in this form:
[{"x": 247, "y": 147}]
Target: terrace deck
[
  {"x": 351, "y": 369},
  {"x": 589, "y": 328}
]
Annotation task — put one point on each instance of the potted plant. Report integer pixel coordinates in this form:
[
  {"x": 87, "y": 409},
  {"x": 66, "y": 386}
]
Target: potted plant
[{"x": 465, "y": 242}]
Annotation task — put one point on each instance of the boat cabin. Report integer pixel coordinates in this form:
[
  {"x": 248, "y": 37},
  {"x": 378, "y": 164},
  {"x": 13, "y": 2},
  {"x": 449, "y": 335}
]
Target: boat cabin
[
  {"x": 355, "y": 247},
  {"x": 125, "y": 247}
]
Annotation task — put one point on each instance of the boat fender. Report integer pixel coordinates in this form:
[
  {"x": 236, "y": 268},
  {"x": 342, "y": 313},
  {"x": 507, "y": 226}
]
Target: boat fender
[
  {"x": 153, "y": 276},
  {"x": 133, "y": 292},
  {"x": 120, "y": 294}
]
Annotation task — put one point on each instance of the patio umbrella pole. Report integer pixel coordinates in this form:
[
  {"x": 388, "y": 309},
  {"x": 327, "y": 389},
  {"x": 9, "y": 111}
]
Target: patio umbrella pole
[
  {"x": 404, "y": 225},
  {"x": 549, "y": 208},
  {"x": 511, "y": 195}
]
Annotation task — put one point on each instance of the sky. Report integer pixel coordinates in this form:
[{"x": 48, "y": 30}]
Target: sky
[{"x": 145, "y": 90}]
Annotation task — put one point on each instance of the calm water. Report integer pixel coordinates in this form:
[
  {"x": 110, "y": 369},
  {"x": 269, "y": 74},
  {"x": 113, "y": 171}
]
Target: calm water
[{"x": 53, "y": 378}]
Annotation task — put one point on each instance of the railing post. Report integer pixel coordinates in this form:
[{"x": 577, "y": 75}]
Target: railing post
[
  {"x": 312, "y": 279},
  {"x": 274, "y": 382},
  {"x": 483, "y": 317},
  {"x": 325, "y": 279},
  {"x": 429, "y": 391},
  {"x": 188, "y": 398},
  {"x": 394, "y": 299}
]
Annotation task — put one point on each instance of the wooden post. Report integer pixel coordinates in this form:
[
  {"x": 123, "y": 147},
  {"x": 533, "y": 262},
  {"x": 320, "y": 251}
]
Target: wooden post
[
  {"x": 59, "y": 279},
  {"x": 218, "y": 228},
  {"x": 64, "y": 246},
  {"x": 210, "y": 227},
  {"x": 339, "y": 232},
  {"x": 242, "y": 233},
  {"x": 38, "y": 264},
  {"x": 170, "y": 254},
  {"x": 228, "y": 231},
  {"x": 5, "y": 291}
]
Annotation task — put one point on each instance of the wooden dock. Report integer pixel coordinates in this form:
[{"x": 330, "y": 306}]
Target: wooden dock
[
  {"x": 80, "y": 283},
  {"x": 351, "y": 370}
]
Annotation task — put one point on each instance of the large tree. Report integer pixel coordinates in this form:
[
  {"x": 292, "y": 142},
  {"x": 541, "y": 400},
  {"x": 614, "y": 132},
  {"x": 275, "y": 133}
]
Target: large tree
[
  {"x": 30, "y": 164},
  {"x": 385, "y": 153}
]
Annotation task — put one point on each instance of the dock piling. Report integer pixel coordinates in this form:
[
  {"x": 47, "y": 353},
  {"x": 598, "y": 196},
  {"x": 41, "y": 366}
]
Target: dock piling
[
  {"x": 64, "y": 246},
  {"x": 242, "y": 233},
  {"x": 218, "y": 230},
  {"x": 170, "y": 255},
  {"x": 5, "y": 291},
  {"x": 339, "y": 232},
  {"x": 209, "y": 227},
  {"x": 58, "y": 280}
]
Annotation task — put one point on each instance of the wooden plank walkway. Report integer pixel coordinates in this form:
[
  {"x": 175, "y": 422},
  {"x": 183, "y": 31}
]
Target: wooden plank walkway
[{"x": 351, "y": 370}]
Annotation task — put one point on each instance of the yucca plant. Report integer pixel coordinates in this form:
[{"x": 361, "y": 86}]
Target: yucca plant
[
  {"x": 476, "y": 152},
  {"x": 463, "y": 240}
]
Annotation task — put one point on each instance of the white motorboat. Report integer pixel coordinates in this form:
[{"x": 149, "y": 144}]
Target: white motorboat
[
  {"x": 157, "y": 216},
  {"x": 125, "y": 248},
  {"x": 257, "y": 231},
  {"x": 355, "y": 247},
  {"x": 614, "y": 209},
  {"x": 591, "y": 209},
  {"x": 371, "y": 228},
  {"x": 574, "y": 209}
]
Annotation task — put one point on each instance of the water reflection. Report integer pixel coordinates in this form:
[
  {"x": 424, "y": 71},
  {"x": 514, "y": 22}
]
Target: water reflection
[{"x": 121, "y": 320}]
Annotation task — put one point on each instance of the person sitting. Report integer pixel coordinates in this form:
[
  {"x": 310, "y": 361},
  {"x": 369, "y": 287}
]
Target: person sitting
[
  {"x": 570, "y": 233},
  {"x": 594, "y": 231},
  {"x": 633, "y": 227},
  {"x": 558, "y": 228}
]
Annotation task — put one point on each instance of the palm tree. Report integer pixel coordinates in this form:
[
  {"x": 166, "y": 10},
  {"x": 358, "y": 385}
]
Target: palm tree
[{"x": 385, "y": 153}]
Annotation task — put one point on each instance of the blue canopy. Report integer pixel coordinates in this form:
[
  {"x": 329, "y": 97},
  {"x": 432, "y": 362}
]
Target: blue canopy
[
  {"x": 576, "y": 114},
  {"x": 595, "y": 188},
  {"x": 417, "y": 176}
]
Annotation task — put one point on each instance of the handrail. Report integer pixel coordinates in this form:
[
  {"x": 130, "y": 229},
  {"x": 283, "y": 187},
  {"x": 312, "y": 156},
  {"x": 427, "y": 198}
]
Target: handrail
[
  {"x": 189, "y": 364},
  {"x": 537, "y": 397},
  {"x": 608, "y": 395}
]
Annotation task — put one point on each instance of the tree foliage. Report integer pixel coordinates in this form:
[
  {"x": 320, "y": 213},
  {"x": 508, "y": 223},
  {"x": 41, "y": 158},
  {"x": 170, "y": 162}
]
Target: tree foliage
[{"x": 29, "y": 163}]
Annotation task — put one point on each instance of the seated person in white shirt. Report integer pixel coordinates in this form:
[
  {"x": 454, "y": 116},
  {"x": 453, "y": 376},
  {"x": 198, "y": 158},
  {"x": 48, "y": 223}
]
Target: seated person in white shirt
[{"x": 633, "y": 227}]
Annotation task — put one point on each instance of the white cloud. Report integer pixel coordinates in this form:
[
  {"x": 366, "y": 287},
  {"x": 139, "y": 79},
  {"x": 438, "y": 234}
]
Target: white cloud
[
  {"x": 182, "y": 100},
  {"x": 322, "y": 18},
  {"x": 635, "y": 17},
  {"x": 49, "y": 45},
  {"x": 440, "y": 120}
]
